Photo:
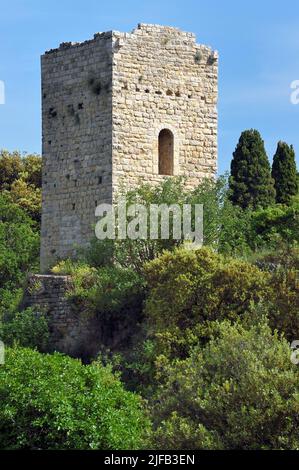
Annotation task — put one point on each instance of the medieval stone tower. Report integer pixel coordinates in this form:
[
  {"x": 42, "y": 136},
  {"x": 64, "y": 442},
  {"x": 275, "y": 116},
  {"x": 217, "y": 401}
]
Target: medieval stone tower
[{"x": 118, "y": 110}]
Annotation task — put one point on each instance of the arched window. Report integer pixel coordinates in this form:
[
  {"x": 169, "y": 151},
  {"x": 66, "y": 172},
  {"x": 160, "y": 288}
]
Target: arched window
[{"x": 165, "y": 152}]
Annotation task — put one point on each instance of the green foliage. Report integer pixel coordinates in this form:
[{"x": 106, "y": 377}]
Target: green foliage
[
  {"x": 250, "y": 182},
  {"x": 284, "y": 173},
  {"x": 275, "y": 226},
  {"x": 54, "y": 402},
  {"x": 27, "y": 328},
  {"x": 19, "y": 244},
  {"x": 11, "y": 167},
  {"x": 27, "y": 197},
  {"x": 105, "y": 291},
  {"x": 32, "y": 170},
  {"x": 283, "y": 308},
  {"x": 187, "y": 287},
  {"x": 240, "y": 391},
  {"x": 225, "y": 225},
  {"x": 20, "y": 180}
]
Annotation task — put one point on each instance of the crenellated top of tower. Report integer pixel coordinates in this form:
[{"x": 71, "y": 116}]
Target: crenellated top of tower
[{"x": 167, "y": 34}]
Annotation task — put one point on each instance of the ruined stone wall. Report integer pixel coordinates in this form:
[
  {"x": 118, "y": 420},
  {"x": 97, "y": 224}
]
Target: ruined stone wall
[
  {"x": 73, "y": 330},
  {"x": 163, "y": 79},
  {"x": 77, "y": 139}
]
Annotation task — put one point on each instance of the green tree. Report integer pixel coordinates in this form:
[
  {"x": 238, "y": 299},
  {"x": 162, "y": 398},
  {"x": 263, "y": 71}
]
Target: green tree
[
  {"x": 28, "y": 328},
  {"x": 32, "y": 172},
  {"x": 239, "y": 391},
  {"x": 284, "y": 173},
  {"x": 11, "y": 167},
  {"x": 55, "y": 402},
  {"x": 251, "y": 184},
  {"x": 19, "y": 251},
  {"x": 28, "y": 197},
  {"x": 187, "y": 287}
]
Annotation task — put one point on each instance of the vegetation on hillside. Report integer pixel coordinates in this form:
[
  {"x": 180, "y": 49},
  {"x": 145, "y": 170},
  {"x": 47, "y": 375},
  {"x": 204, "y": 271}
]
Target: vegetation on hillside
[{"x": 205, "y": 357}]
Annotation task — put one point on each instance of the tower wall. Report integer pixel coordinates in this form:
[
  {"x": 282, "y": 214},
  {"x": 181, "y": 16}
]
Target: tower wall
[
  {"x": 104, "y": 103},
  {"x": 163, "y": 80},
  {"x": 77, "y": 143}
]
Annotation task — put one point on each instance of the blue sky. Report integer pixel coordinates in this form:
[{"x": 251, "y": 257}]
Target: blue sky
[{"x": 258, "y": 42}]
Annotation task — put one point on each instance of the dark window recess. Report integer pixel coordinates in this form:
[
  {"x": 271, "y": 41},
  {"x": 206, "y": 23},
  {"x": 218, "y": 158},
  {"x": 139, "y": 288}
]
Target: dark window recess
[
  {"x": 100, "y": 179},
  {"x": 80, "y": 106},
  {"x": 166, "y": 150},
  {"x": 147, "y": 90},
  {"x": 73, "y": 206}
]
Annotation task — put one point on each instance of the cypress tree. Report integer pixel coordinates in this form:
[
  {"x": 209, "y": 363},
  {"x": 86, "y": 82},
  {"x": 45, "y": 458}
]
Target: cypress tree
[
  {"x": 284, "y": 173},
  {"x": 250, "y": 182}
]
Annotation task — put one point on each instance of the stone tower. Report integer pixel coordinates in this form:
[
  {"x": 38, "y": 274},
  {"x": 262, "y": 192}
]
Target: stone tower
[{"x": 121, "y": 109}]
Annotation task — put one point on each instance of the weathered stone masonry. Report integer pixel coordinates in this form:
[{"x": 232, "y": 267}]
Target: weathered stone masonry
[
  {"x": 104, "y": 105},
  {"x": 73, "y": 330}
]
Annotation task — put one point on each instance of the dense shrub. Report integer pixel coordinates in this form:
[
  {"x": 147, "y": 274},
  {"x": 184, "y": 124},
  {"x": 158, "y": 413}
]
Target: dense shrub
[
  {"x": 187, "y": 287},
  {"x": 283, "y": 308},
  {"x": 104, "y": 290},
  {"x": 54, "y": 402},
  {"x": 225, "y": 225},
  {"x": 20, "y": 181},
  {"x": 15, "y": 166},
  {"x": 238, "y": 392},
  {"x": 11, "y": 167},
  {"x": 27, "y": 197},
  {"x": 275, "y": 226},
  {"x": 27, "y": 328},
  {"x": 19, "y": 245}
]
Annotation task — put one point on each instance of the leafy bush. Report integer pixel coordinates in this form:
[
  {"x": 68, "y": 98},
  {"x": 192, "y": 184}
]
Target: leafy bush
[
  {"x": 54, "y": 402},
  {"x": 238, "y": 392},
  {"x": 283, "y": 308},
  {"x": 20, "y": 181},
  {"x": 187, "y": 287},
  {"x": 32, "y": 170},
  {"x": 11, "y": 167},
  {"x": 27, "y": 328},
  {"x": 15, "y": 166},
  {"x": 105, "y": 290},
  {"x": 27, "y": 197},
  {"x": 276, "y": 226},
  {"x": 19, "y": 244}
]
